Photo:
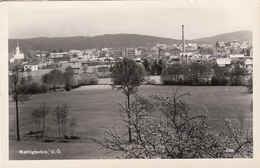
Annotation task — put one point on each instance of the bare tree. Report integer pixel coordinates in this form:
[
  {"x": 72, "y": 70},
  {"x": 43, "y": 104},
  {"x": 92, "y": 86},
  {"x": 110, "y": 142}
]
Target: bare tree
[
  {"x": 73, "y": 124},
  {"x": 37, "y": 117},
  {"x": 16, "y": 91},
  {"x": 44, "y": 111},
  {"x": 61, "y": 112}
]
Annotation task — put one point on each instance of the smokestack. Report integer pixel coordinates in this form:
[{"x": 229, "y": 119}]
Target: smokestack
[{"x": 183, "y": 41}]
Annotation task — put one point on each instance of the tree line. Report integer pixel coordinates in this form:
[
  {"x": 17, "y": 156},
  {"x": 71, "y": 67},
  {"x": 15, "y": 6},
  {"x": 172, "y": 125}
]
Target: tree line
[{"x": 205, "y": 74}]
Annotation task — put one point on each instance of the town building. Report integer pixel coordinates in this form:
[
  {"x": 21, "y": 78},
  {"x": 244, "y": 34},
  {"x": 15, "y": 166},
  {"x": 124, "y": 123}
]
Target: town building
[
  {"x": 76, "y": 66},
  {"x": 223, "y": 62}
]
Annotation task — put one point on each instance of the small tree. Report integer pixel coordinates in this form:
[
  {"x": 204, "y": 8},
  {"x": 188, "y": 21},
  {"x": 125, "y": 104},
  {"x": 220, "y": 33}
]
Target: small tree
[
  {"x": 68, "y": 78},
  {"x": 56, "y": 78},
  {"x": 44, "y": 111},
  {"x": 146, "y": 65},
  {"x": 73, "y": 124},
  {"x": 37, "y": 117},
  {"x": 61, "y": 113},
  {"x": 16, "y": 91},
  {"x": 237, "y": 75},
  {"x": 127, "y": 76}
]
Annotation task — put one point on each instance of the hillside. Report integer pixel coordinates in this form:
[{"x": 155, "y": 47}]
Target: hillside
[
  {"x": 80, "y": 43},
  {"x": 240, "y": 35},
  {"x": 114, "y": 41}
]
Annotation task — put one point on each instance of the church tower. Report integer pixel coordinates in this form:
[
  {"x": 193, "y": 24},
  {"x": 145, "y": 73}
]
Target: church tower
[
  {"x": 17, "y": 48},
  {"x": 18, "y": 55}
]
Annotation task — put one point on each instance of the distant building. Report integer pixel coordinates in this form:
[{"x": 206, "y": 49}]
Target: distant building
[
  {"x": 76, "y": 66},
  {"x": 174, "y": 59},
  {"x": 124, "y": 52},
  {"x": 56, "y": 55},
  {"x": 30, "y": 67},
  {"x": 199, "y": 58},
  {"x": 103, "y": 68},
  {"x": 185, "y": 57},
  {"x": 224, "y": 62},
  {"x": 237, "y": 56}
]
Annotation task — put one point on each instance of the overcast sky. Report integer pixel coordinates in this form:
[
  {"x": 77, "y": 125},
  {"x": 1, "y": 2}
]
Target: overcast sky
[{"x": 199, "y": 22}]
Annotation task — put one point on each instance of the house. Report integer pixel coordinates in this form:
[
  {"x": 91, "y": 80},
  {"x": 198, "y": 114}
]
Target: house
[
  {"x": 237, "y": 56},
  {"x": 56, "y": 55},
  {"x": 223, "y": 62},
  {"x": 108, "y": 59},
  {"x": 198, "y": 58},
  {"x": 76, "y": 66},
  {"x": 118, "y": 59},
  {"x": 103, "y": 68},
  {"x": 185, "y": 57},
  {"x": 30, "y": 67},
  {"x": 75, "y": 53},
  {"x": 174, "y": 59}
]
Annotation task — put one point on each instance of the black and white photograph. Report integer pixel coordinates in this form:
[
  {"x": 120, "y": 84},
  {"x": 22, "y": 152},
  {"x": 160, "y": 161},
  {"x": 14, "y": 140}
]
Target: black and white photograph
[{"x": 130, "y": 80}]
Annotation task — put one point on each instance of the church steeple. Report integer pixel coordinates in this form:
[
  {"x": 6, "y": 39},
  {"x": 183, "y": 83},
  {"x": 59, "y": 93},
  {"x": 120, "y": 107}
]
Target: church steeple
[
  {"x": 19, "y": 54},
  {"x": 17, "y": 47}
]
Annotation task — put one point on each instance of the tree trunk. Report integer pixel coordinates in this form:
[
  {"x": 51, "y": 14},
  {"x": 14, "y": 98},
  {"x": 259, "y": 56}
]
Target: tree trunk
[
  {"x": 43, "y": 124},
  {"x": 129, "y": 117},
  {"x": 59, "y": 129},
  {"x": 17, "y": 120}
]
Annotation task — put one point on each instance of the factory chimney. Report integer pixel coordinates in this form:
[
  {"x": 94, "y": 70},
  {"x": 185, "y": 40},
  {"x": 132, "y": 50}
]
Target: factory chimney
[{"x": 183, "y": 41}]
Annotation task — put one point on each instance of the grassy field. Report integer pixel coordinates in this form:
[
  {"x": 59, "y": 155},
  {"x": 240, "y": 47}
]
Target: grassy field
[{"x": 97, "y": 109}]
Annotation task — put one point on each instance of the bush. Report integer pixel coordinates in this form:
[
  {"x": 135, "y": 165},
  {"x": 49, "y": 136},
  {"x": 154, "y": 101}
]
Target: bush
[
  {"x": 103, "y": 74},
  {"x": 35, "y": 88},
  {"x": 43, "y": 88},
  {"x": 250, "y": 85},
  {"x": 88, "y": 79},
  {"x": 93, "y": 80},
  {"x": 149, "y": 81},
  {"x": 67, "y": 88},
  {"x": 48, "y": 140},
  {"x": 74, "y": 137}
]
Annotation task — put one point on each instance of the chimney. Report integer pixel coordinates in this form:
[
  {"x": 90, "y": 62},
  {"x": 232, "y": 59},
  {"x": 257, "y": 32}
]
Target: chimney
[{"x": 183, "y": 41}]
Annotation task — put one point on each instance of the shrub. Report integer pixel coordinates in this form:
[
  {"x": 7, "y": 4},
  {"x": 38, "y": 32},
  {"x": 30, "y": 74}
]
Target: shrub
[
  {"x": 35, "y": 88},
  {"x": 88, "y": 79},
  {"x": 149, "y": 82},
  {"x": 43, "y": 88},
  {"x": 250, "y": 84},
  {"x": 93, "y": 80},
  {"x": 103, "y": 74},
  {"x": 67, "y": 88}
]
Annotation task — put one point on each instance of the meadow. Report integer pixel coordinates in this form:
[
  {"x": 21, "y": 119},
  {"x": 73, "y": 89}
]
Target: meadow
[{"x": 96, "y": 109}]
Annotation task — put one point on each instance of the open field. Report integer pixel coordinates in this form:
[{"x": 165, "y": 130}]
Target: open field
[{"x": 96, "y": 108}]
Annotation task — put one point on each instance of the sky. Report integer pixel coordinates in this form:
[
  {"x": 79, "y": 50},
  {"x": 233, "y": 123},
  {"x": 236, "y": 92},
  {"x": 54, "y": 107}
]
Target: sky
[{"x": 160, "y": 22}]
